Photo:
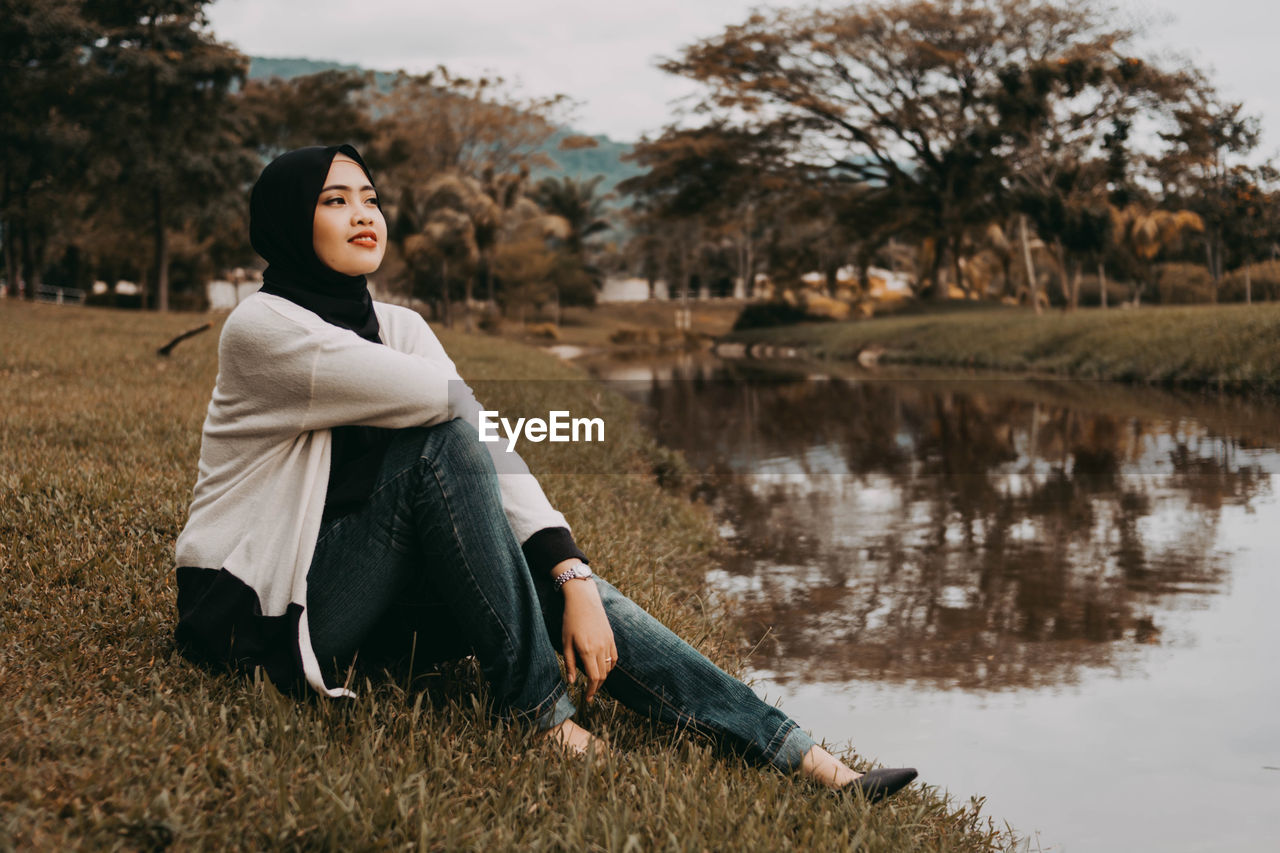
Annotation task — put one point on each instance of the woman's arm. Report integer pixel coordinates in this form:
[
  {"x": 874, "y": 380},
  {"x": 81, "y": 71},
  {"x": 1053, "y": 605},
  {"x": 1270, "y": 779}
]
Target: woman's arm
[
  {"x": 358, "y": 383},
  {"x": 280, "y": 365}
]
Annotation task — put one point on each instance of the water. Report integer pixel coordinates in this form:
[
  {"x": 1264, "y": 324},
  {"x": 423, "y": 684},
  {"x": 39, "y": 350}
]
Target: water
[{"x": 1059, "y": 596}]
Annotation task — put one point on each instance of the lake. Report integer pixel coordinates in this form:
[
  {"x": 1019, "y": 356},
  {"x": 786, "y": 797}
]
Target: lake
[{"x": 1057, "y": 595}]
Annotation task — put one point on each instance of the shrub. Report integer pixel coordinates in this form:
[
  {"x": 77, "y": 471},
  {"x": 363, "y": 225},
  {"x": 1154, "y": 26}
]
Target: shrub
[
  {"x": 761, "y": 315},
  {"x": 189, "y": 299},
  {"x": 1091, "y": 293},
  {"x": 545, "y": 331},
  {"x": 1180, "y": 284},
  {"x": 817, "y": 306},
  {"x": 1264, "y": 283},
  {"x": 111, "y": 299}
]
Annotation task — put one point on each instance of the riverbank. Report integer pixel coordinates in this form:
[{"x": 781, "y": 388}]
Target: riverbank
[
  {"x": 627, "y": 328},
  {"x": 109, "y": 738},
  {"x": 1236, "y": 346}
]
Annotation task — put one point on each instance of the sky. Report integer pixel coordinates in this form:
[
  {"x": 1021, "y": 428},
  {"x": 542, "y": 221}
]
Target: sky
[{"x": 604, "y": 54}]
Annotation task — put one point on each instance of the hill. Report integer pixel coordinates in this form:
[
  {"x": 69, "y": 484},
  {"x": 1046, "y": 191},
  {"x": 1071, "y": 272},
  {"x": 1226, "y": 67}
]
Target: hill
[{"x": 578, "y": 163}]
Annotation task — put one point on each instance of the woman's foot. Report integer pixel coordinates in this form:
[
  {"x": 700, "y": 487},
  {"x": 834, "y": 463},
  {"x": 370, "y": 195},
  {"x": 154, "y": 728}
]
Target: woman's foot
[
  {"x": 573, "y": 738},
  {"x": 824, "y": 768}
]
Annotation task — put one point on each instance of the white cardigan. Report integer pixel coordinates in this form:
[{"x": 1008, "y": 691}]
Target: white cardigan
[{"x": 285, "y": 378}]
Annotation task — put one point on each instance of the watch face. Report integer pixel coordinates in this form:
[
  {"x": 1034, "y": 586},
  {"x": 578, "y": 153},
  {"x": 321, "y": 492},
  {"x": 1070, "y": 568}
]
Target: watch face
[{"x": 583, "y": 571}]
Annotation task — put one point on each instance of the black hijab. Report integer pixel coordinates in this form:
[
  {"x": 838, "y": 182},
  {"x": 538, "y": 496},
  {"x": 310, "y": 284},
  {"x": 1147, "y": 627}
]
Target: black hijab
[{"x": 282, "y": 210}]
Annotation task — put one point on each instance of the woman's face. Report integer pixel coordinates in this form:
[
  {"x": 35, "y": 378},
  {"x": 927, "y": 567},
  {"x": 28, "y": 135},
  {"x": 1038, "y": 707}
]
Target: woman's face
[{"x": 349, "y": 232}]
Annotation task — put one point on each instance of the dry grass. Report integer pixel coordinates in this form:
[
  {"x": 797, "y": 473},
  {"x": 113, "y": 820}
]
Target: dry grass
[{"x": 109, "y": 739}]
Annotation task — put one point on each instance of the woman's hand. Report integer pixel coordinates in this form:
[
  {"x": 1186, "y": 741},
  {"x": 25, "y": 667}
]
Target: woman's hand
[{"x": 588, "y": 639}]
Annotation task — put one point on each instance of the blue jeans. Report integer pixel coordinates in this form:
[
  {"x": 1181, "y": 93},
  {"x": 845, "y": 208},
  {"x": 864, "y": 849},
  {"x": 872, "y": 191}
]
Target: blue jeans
[{"x": 432, "y": 548}]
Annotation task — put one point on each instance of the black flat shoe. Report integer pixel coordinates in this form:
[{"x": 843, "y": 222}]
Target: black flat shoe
[{"x": 875, "y": 785}]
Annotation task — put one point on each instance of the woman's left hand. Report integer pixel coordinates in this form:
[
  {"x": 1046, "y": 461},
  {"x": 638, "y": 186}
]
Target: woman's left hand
[{"x": 588, "y": 638}]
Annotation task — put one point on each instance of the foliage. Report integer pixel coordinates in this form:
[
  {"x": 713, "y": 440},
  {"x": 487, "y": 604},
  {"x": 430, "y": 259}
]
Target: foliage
[
  {"x": 761, "y": 315},
  {"x": 325, "y": 108},
  {"x": 1179, "y": 283},
  {"x": 1258, "y": 282},
  {"x": 459, "y": 152},
  {"x": 41, "y": 140},
  {"x": 578, "y": 205},
  {"x": 169, "y": 137},
  {"x": 1205, "y": 170},
  {"x": 930, "y": 122},
  {"x": 983, "y": 147},
  {"x": 910, "y": 99},
  {"x": 706, "y": 184},
  {"x": 438, "y": 122}
]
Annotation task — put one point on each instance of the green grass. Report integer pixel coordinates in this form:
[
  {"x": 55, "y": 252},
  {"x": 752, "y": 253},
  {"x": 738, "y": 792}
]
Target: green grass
[
  {"x": 1236, "y": 346},
  {"x": 109, "y": 739}
]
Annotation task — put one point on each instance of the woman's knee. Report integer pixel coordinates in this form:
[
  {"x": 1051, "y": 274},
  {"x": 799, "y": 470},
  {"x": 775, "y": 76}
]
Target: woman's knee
[{"x": 456, "y": 446}]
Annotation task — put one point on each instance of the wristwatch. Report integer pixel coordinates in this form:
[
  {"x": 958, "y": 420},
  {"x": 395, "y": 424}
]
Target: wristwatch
[{"x": 574, "y": 572}]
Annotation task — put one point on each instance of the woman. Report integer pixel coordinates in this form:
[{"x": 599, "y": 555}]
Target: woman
[{"x": 343, "y": 491}]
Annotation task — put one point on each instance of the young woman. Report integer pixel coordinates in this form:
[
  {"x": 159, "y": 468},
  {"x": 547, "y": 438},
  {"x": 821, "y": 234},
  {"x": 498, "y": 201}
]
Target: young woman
[{"x": 344, "y": 500}]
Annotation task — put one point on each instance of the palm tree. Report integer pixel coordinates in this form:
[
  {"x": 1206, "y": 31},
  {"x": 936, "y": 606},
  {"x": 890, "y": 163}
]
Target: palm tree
[
  {"x": 577, "y": 203},
  {"x": 447, "y": 222},
  {"x": 1146, "y": 233},
  {"x": 505, "y": 193}
]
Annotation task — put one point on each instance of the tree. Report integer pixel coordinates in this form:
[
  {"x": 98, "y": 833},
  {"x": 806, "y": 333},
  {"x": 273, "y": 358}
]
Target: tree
[
  {"x": 531, "y": 269},
  {"x": 583, "y": 213},
  {"x": 577, "y": 203},
  {"x": 718, "y": 175},
  {"x": 1143, "y": 234},
  {"x": 42, "y": 142},
  {"x": 472, "y": 135},
  {"x": 646, "y": 249},
  {"x": 437, "y": 122},
  {"x": 1067, "y": 121},
  {"x": 1205, "y": 170},
  {"x": 170, "y": 136},
  {"x": 440, "y": 224},
  {"x": 910, "y": 99},
  {"x": 314, "y": 109},
  {"x": 505, "y": 193}
]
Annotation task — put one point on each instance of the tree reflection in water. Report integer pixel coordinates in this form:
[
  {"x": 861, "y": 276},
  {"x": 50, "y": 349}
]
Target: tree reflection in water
[{"x": 971, "y": 535}]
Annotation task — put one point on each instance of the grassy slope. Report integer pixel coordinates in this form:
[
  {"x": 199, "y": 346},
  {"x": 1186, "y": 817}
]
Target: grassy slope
[
  {"x": 1202, "y": 345},
  {"x": 594, "y": 327},
  {"x": 108, "y": 738}
]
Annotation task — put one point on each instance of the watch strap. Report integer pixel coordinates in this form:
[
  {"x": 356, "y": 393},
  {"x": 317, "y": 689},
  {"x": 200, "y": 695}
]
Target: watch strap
[{"x": 577, "y": 570}]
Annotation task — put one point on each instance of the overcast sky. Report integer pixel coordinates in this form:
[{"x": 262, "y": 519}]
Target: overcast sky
[{"x": 603, "y": 54}]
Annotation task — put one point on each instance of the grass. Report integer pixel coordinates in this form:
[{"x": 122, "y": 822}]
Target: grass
[
  {"x": 594, "y": 328},
  {"x": 1235, "y": 346},
  {"x": 109, "y": 739}
]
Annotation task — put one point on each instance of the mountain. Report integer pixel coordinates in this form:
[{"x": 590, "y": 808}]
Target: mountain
[
  {"x": 579, "y": 163},
  {"x": 585, "y": 163}
]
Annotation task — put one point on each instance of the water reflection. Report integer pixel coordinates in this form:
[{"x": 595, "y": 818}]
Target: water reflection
[{"x": 970, "y": 535}]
